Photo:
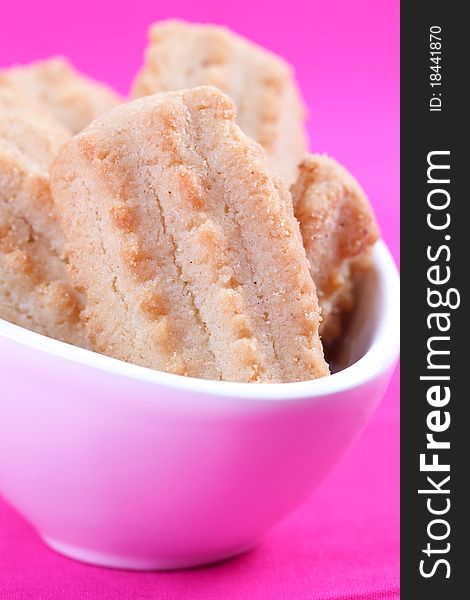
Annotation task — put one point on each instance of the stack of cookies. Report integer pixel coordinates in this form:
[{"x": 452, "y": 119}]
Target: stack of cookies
[{"x": 186, "y": 230}]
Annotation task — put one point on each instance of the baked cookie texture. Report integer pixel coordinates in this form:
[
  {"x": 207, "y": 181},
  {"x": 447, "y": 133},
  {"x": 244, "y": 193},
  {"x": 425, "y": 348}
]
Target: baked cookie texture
[
  {"x": 72, "y": 98},
  {"x": 186, "y": 245},
  {"x": 270, "y": 110},
  {"x": 14, "y": 101},
  {"x": 34, "y": 288},
  {"x": 338, "y": 229}
]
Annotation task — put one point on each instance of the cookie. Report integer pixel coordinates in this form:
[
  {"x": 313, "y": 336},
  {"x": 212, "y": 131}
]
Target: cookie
[
  {"x": 34, "y": 288},
  {"x": 270, "y": 110},
  {"x": 14, "y": 101},
  {"x": 338, "y": 229},
  {"x": 186, "y": 245},
  {"x": 74, "y": 99}
]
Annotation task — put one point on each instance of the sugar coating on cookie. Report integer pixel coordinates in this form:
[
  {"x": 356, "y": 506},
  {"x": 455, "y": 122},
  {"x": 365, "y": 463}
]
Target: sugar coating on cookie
[
  {"x": 186, "y": 245},
  {"x": 338, "y": 229},
  {"x": 34, "y": 288},
  {"x": 269, "y": 107},
  {"x": 74, "y": 99}
]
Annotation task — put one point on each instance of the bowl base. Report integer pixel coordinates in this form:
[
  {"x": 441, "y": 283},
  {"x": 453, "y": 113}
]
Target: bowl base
[{"x": 115, "y": 561}]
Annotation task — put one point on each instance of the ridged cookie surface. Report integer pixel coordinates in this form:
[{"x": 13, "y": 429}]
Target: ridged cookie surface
[
  {"x": 74, "y": 99},
  {"x": 269, "y": 108},
  {"x": 186, "y": 245},
  {"x": 34, "y": 288},
  {"x": 338, "y": 229}
]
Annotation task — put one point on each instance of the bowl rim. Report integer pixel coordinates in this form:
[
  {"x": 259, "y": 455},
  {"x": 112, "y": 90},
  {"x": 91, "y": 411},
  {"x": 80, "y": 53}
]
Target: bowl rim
[{"x": 379, "y": 358}]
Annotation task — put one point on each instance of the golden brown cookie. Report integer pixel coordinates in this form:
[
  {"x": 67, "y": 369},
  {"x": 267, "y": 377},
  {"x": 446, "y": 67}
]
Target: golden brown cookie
[
  {"x": 186, "y": 245},
  {"x": 34, "y": 288},
  {"x": 74, "y": 99},
  {"x": 269, "y": 107},
  {"x": 338, "y": 229}
]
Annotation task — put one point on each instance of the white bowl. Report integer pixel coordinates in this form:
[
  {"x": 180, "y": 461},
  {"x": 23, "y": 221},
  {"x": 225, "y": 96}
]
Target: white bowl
[{"x": 123, "y": 466}]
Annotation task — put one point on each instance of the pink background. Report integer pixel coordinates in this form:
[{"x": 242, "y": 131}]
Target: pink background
[{"x": 342, "y": 543}]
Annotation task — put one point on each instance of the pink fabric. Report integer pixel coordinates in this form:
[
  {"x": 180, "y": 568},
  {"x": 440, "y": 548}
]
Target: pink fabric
[{"x": 343, "y": 542}]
